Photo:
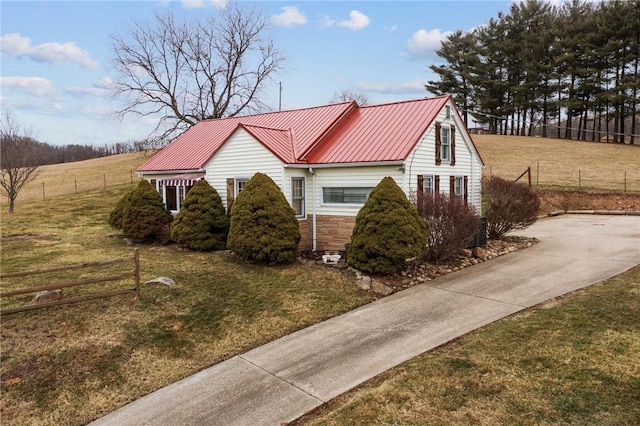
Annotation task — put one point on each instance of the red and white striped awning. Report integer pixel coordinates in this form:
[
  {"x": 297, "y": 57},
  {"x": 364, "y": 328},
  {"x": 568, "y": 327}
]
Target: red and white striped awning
[{"x": 186, "y": 179}]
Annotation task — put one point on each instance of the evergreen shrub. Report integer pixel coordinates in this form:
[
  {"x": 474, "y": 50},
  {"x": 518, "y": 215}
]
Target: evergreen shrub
[
  {"x": 508, "y": 206},
  {"x": 202, "y": 223},
  {"x": 117, "y": 214},
  {"x": 264, "y": 227},
  {"x": 145, "y": 216},
  {"x": 388, "y": 231}
]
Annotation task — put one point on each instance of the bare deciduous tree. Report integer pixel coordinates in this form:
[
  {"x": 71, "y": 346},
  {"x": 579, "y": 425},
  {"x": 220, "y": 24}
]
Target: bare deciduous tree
[
  {"x": 16, "y": 145},
  {"x": 350, "y": 95},
  {"x": 191, "y": 71}
]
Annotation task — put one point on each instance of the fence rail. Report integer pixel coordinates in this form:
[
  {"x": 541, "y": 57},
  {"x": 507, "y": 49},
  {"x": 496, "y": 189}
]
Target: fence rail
[
  {"x": 579, "y": 179},
  {"x": 65, "y": 284}
]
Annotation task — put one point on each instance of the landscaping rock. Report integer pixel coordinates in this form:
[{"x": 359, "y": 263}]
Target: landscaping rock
[
  {"x": 380, "y": 288},
  {"x": 479, "y": 252},
  {"x": 47, "y": 296},
  {"x": 364, "y": 283},
  {"x": 161, "y": 280}
]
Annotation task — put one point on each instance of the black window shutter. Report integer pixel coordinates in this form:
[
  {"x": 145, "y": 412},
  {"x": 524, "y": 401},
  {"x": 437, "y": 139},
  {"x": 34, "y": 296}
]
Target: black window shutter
[
  {"x": 466, "y": 189},
  {"x": 453, "y": 146},
  {"x": 452, "y": 186},
  {"x": 436, "y": 184},
  {"x": 420, "y": 193},
  {"x": 438, "y": 145}
]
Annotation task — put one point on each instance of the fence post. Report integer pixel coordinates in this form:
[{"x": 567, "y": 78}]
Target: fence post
[
  {"x": 538, "y": 173},
  {"x": 105, "y": 181},
  {"x": 75, "y": 181},
  {"x": 529, "y": 174},
  {"x": 625, "y": 181},
  {"x": 136, "y": 263},
  {"x": 580, "y": 179},
  {"x": 43, "y": 196}
]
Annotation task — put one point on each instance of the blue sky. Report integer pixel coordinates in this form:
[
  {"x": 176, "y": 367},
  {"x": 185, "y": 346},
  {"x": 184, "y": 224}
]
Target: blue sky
[{"x": 55, "y": 56}]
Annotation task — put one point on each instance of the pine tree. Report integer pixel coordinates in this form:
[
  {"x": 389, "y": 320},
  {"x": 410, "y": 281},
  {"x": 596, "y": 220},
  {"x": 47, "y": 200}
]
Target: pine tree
[
  {"x": 388, "y": 231},
  {"x": 264, "y": 226},
  {"x": 202, "y": 223},
  {"x": 145, "y": 216}
]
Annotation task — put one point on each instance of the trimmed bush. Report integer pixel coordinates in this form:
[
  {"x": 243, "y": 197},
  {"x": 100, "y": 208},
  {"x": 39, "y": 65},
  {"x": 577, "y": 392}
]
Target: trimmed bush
[
  {"x": 117, "y": 214},
  {"x": 508, "y": 206},
  {"x": 264, "y": 227},
  {"x": 388, "y": 231},
  {"x": 202, "y": 223},
  {"x": 145, "y": 216},
  {"x": 453, "y": 225}
]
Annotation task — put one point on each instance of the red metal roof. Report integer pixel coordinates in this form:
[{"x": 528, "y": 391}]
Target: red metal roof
[{"x": 337, "y": 133}]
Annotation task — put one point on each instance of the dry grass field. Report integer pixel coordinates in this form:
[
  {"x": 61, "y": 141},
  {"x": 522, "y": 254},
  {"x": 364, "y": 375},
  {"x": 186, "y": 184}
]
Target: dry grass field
[
  {"x": 79, "y": 176},
  {"x": 71, "y": 364},
  {"x": 562, "y": 163}
]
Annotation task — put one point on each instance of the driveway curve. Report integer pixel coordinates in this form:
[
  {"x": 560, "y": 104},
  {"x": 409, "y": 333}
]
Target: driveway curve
[{"x": 282, "y": 380}]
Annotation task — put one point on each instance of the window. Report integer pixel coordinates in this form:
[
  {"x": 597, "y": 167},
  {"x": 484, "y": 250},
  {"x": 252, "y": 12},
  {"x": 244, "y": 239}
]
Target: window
[
  {"x": 459, "y": 186},
  {"x": 447, "y": 111},
  {"x": 240, "y": 184},
  {"x": 297, "y": 195},
  {"x": 154, "y": 183},
  {"x": 349, "y": 195},
  {"x": 445, "y": 144},
  {"x": 427, "y": 184}
]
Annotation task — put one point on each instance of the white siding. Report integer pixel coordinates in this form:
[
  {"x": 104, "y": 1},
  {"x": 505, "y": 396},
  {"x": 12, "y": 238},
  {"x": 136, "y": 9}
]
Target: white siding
[
  {"x": 422, "y": 161},
  {"x": 241, "y": 157},
  {"x": 361, "y": 176}
]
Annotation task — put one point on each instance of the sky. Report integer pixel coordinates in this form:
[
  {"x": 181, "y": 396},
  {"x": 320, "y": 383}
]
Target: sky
[{"x": 56, "y": 56}]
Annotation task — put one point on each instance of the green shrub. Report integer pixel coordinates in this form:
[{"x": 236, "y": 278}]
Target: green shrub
[
  {"x": 508, "y": 206},
  {"x": 388, "y": 231},
  {"x": 117, "y": 214},
  {"x": 264, "y": 227},
  {"x": 202, "y": 223},
  {"x": 145, "y": 216}
]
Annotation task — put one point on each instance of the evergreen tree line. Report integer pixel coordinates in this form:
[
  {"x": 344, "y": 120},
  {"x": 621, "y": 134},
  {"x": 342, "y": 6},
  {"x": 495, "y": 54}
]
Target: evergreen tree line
[
  {"x": 41, "y": 153},
  {"x": 555, "y": 71}
]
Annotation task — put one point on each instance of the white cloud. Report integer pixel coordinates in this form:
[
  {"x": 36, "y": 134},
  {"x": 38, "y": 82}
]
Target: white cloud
[
  {"x": 394, "y": 87},
  {"x": 423, "y": 41},
  {"x": 38, "y": 86},
  {"x": 55, "y": 53},
  {"x": 290, "y": 16},
  {"x": 100, "y": 88},
  {"x": 357, "y": 21},
  {"x": 199, "y": 4}
]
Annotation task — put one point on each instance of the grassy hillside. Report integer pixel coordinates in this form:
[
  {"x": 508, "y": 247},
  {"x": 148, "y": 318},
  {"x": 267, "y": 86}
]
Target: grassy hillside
[
  {"x": 562, "y": 163},
  {"x": 67, "y": 178}
]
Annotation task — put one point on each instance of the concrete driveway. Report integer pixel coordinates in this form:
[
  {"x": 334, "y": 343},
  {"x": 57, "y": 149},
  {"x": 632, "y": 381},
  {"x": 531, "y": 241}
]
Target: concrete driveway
[{"x": 282, "y": 380}]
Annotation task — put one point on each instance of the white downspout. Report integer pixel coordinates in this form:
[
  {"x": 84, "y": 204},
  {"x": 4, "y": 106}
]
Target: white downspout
[{"x": 314, "y": 230}]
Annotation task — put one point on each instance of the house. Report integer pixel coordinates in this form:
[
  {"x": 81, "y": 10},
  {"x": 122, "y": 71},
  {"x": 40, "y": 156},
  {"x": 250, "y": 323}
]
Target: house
[{"x": 326, "y": 159}]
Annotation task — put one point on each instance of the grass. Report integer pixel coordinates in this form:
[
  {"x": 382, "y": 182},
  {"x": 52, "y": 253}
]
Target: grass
[
  {"x": 71, "y": 364},
  {"x": 80, "y": 176},
  {"x": 562, "y": 163},
  {"x": 573, "y": 360}
]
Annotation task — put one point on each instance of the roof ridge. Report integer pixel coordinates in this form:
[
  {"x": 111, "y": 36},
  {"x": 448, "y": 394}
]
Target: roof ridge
[
  {"x": 236, "y": 117},
  {"x": 406, "y": 101},
  {"x": 263, "y": 127}
]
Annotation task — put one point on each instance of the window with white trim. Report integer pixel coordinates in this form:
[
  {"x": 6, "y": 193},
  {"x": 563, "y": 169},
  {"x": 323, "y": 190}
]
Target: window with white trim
[
  {"x": 445, "y": 144},
  {"x": 428, "y": 184},
  {"x": 459, "y": 186},
  {"x": 240, "y": 184},
  {"x": 297, "y": 195},
  {"x": 345, "y": 195}
]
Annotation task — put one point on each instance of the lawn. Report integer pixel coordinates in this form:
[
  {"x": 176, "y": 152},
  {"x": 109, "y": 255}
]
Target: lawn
[
  {"x": 572, "y": 360},
  {"x": 71, "y": 364},
  {"x": 562, "y": 163}
]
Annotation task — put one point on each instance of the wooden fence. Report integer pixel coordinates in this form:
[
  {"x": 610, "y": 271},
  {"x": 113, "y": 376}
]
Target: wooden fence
[{"x": 65, "y": 284}]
